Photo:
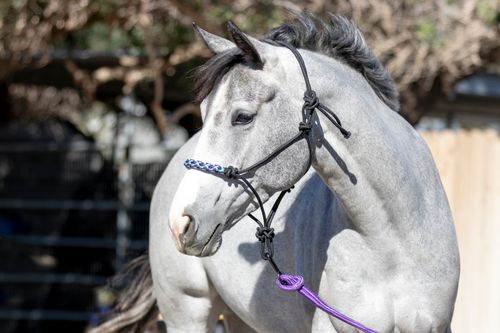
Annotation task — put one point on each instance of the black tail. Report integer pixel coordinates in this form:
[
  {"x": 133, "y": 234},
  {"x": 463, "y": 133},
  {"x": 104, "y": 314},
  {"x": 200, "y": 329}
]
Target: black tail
[{"x": 135, "y": 310}]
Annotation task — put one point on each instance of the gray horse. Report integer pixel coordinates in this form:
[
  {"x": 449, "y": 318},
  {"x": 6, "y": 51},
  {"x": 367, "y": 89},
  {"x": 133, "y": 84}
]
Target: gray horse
[{"x": 369, "y": 227}]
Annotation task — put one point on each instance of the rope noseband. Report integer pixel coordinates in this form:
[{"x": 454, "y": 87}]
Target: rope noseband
[{"x": 265, "y": 233}]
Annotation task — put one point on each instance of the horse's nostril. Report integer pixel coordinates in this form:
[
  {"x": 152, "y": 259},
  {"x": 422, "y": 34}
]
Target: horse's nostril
[
  {"x": 188, "y": 231},
  {"x": 182, "y": 231},
  {"x": 189, "y": 225}
]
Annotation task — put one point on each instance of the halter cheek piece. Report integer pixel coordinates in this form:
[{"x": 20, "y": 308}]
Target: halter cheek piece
[{"x": 265, "y": 234}]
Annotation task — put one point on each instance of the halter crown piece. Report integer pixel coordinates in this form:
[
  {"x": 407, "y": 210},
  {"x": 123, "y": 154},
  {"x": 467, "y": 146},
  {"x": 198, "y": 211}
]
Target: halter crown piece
[{"x": 264, "y": 233}]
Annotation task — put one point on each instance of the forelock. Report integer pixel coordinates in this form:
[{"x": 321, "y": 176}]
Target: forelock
[{"x": 209, "y": 74}]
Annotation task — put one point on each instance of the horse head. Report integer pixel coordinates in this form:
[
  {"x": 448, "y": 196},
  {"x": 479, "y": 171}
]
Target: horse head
[{"x": 250, "y": 104}]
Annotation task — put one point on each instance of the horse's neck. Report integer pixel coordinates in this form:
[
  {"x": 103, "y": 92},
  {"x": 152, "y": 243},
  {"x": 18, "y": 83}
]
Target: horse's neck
[{"x": 378, "y": 174}]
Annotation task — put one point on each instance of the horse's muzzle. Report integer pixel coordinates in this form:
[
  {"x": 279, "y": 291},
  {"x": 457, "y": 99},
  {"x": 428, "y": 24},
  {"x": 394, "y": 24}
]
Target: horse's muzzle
[{"x": 184, "y": 232}]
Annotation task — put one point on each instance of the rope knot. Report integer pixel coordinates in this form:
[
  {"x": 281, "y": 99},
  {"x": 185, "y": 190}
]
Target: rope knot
[
  {"x": 230, "y": 172},
  {"x": 305, "y": 127},
  {"x": 311, "y": 101},
  {"x": 290, "y": 282},
  {"x": 346, "y": 134},
  {"x": 264, "y": 233}
]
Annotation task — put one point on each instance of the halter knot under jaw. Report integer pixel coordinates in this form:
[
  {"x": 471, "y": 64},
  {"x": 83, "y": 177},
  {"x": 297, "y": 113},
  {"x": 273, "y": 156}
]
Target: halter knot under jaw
[{"x": 264, "y": 233}]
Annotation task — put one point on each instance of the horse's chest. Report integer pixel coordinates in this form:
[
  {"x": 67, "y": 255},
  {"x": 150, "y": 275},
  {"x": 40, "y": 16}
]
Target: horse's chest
[{"x": 383, "y": 289}]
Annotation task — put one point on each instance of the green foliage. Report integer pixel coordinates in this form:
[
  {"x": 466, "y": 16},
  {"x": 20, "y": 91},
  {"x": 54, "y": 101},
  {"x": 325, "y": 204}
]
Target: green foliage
[
  {"x": 220, "y": 13},
  {"x": 106, "y": 7},
  {"x": 487, "y": 11},
  {"x": 427, "y": 32},
  {"x": 267, "y": 18},
  {"x": 410, "y": 2},
  {"x": 18, "y": 4},
  {"x": 99, "y": 36},
  {"x": 257, "y": 18},
  {"x": 170, "y": 34},
  {"x": 9, "y": 6}
]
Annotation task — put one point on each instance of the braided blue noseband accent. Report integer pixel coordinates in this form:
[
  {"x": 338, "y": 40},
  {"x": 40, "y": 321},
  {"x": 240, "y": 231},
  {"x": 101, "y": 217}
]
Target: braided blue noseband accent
[{"x": 204, "y": 166}]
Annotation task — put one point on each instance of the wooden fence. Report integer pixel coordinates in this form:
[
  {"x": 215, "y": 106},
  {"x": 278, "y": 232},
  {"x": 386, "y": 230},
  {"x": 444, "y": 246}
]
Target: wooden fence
[{"x": 469, "y": 164}]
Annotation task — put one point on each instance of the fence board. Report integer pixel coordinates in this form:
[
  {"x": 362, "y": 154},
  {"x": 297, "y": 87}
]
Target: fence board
[{"x": 469, "y": 164}]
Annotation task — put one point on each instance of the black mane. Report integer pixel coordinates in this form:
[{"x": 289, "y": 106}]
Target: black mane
[{"x": 336, "y": 37}]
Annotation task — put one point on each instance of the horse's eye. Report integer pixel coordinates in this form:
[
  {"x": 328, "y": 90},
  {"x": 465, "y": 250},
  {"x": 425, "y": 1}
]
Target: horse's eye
[{"x": 243, "y": 119}]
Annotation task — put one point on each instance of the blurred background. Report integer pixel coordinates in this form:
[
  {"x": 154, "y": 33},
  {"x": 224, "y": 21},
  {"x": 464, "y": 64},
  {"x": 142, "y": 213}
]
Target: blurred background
[{"x": 95, "y": 97}]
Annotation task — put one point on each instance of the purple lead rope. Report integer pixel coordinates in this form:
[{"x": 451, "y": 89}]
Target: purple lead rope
[{"x": 296, "y": 283}]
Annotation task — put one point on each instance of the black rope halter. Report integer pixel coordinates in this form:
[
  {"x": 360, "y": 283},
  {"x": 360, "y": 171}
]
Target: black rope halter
[{"x": 265, "y": 233}]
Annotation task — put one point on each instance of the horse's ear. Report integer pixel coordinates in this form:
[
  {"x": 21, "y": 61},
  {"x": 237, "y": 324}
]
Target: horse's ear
[
  {"x": 215, "y": 43},
  {"x": 246, "y": 44}
]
